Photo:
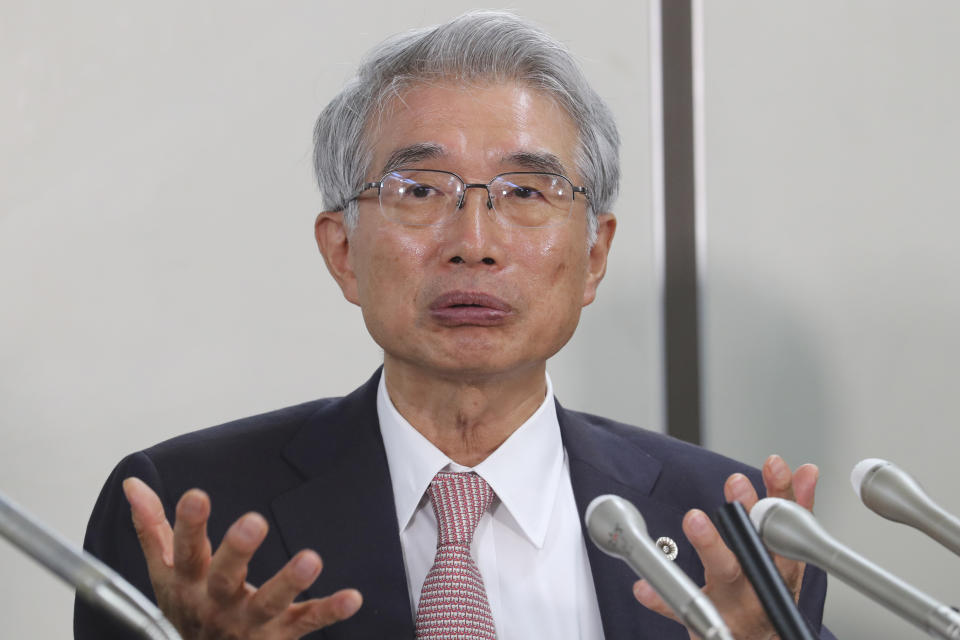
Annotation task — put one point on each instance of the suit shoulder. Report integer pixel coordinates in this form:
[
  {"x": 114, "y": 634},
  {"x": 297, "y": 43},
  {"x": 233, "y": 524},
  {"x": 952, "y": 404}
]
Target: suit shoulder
[
  {"x": 237, "y": 440},
  {"x": 680, "y": 459}
]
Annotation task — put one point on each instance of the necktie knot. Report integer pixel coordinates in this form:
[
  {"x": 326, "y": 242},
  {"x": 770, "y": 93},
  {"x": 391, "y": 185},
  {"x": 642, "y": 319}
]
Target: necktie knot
[
  {"x": 453, "y": 601},
  {"x": 459, "y": 501}
]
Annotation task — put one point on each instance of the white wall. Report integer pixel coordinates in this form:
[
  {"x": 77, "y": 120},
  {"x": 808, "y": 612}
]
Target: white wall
[
  {"x": 833, "y": 280},
  {"x": 157, "y": 267}
]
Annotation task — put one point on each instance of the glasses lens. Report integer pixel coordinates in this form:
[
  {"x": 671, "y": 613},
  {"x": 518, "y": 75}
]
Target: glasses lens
[
  {"x": 532, "y": 199},
  {"x": 419, "y": 198}
]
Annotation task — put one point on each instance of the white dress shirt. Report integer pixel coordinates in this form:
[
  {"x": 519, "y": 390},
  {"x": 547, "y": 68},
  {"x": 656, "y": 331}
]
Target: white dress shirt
[{"x": 528, "y": 545}]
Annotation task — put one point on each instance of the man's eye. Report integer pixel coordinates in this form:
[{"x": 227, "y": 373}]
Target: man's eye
[
  {"x": 525, "y": 193},
  {"x": 420, "y": 191}
]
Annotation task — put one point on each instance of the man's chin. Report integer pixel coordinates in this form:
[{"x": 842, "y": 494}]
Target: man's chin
[{"x": 471, "y": 365}]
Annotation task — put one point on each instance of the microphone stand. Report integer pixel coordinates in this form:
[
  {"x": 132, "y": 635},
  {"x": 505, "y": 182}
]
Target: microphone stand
[{"x": 94, "y": 581}]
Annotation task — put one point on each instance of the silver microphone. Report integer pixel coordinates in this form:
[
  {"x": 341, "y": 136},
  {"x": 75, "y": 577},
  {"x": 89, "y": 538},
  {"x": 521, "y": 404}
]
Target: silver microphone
[
  {"x": 618, "y": 529},
  {"x": 94, "y": 581},
  {"x": 792, "y": 531},
  {"x": 892, "y": 493}
]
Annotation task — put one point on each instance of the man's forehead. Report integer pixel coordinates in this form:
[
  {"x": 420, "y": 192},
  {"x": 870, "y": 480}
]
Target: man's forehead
[
  {"x": 411, "y": 155},
  {"x": 498, "y": 126}
]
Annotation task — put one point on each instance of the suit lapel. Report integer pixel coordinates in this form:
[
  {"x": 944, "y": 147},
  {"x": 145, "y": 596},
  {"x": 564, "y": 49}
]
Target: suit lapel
[
  {"x": 345, "y": 510},
  {"x": 603, "y": 462}
]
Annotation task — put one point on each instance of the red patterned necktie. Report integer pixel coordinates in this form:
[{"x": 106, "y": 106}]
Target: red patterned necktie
[{"x": 453, "y": 602}]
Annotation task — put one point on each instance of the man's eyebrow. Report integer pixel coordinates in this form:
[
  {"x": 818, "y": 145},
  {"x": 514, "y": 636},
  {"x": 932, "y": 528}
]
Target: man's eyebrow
[
  {"x": 411, "y": 154},
  {"x": 536, "y": 161}
]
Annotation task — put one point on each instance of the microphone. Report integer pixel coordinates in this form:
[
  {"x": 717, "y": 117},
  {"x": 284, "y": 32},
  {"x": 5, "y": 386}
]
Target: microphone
[
  {"x": 94, "y": 581},
  {"x": 618, "y": 529},
  {"x": 792, "y": 531},
  {"x": 738, "y": 532},
  {"x": 892, "y": 493}
]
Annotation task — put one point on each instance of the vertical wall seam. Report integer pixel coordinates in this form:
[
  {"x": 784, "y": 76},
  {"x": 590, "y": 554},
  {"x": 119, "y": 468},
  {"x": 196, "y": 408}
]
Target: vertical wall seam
[
  {"x": 657, "y": 197},
  {"x": 681, "y": 280},
  {"x": 697, "y": 45}
]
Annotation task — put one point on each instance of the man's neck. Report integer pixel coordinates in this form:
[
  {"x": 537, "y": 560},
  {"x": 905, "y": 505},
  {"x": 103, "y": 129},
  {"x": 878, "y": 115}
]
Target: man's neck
[{"x": 466, "y": 418}]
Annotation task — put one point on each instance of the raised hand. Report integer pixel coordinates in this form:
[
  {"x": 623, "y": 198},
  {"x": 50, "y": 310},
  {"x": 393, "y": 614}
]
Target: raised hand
[
  {"x": 206, "y": 596},
  {"x": 726, "y": 585}
]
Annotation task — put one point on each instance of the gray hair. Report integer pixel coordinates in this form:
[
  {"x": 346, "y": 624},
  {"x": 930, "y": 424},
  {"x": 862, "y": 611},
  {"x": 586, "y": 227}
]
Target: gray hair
[{"x": 477, "y": 46}]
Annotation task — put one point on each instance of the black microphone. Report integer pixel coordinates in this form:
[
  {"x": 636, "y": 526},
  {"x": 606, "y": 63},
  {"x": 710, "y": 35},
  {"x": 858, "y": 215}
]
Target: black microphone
[
  {"x": 892, "y": 493},
  {"x": 618, "y": 529},
  {"x": 792, "y": 531},
  {"x": 738, "y": 532},
  {"x": 94, "y": 581}
]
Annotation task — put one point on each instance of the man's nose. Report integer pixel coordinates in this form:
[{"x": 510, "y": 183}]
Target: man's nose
[{"x": 475, "y": 235}]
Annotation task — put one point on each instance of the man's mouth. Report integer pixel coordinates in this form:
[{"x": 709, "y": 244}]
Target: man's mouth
[{"x": 462, "y": 308}]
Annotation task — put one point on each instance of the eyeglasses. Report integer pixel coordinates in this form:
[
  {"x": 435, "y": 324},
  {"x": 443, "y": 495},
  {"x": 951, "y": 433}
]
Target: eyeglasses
[{"x": 426, "y": 197}]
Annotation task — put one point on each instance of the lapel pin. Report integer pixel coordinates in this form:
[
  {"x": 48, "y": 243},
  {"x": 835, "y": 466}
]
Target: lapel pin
[{"x": 668, "y": 546}]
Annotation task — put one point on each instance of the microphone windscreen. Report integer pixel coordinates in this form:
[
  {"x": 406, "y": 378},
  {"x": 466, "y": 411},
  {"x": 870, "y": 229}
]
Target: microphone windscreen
[{"x": 860, "y": 471}]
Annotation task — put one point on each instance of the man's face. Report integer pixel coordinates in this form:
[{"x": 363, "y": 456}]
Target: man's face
[{"x": 475, "y": 297}]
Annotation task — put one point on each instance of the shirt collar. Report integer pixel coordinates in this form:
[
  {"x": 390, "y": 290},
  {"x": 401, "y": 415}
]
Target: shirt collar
[{"x": 524, "y": 471}]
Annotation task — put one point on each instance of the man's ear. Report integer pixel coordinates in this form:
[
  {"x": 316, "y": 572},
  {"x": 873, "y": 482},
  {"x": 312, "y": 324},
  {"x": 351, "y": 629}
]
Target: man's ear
[
  {"x": 334, "y": 244},
  {"x": 597, "y": 260}
]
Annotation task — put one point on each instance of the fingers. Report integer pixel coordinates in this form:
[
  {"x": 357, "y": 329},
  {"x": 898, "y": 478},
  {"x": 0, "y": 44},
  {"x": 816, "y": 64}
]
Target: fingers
[
  {"x": 278, "y": 592},
  {"x": 228, "y": 568},
  {"x": 305, "y": 617},
  {"x": 649, "y": 598},
  {"x": 739, "y": 488},
  {"x": 719, "y": 563},
  {"x": 805, "y": 484},
  {"x": 778, "y": 479},
  {"x": 799, "y": 487},
  {"x": 725, "y": 584},
  {"x": 150, "y": 522},
  {"x": 195, "y": 588},
  {"x": 191, "y": 547}
]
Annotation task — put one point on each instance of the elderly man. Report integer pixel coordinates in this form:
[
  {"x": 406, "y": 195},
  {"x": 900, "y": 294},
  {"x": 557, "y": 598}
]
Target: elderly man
[{"x": 468, "y": 174}]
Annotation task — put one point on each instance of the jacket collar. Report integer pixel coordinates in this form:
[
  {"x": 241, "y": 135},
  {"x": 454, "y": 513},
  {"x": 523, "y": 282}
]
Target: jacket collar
[
  {"x": 357, "y": 533},
  {"x": 603, "y": 461},
  {"x": 344, "y": 509}
]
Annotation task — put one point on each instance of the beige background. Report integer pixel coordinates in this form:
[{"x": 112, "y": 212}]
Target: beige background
[
  {"x": 158, "y": 274},
  {"x": 833, "y": 280}
]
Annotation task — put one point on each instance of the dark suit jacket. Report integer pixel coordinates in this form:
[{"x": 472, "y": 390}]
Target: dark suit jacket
[{"x": 318, "y": 473}]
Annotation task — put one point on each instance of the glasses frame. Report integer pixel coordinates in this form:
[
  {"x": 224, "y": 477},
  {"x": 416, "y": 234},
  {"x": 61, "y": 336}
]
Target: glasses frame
[{"x": 378, "y": 185}]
